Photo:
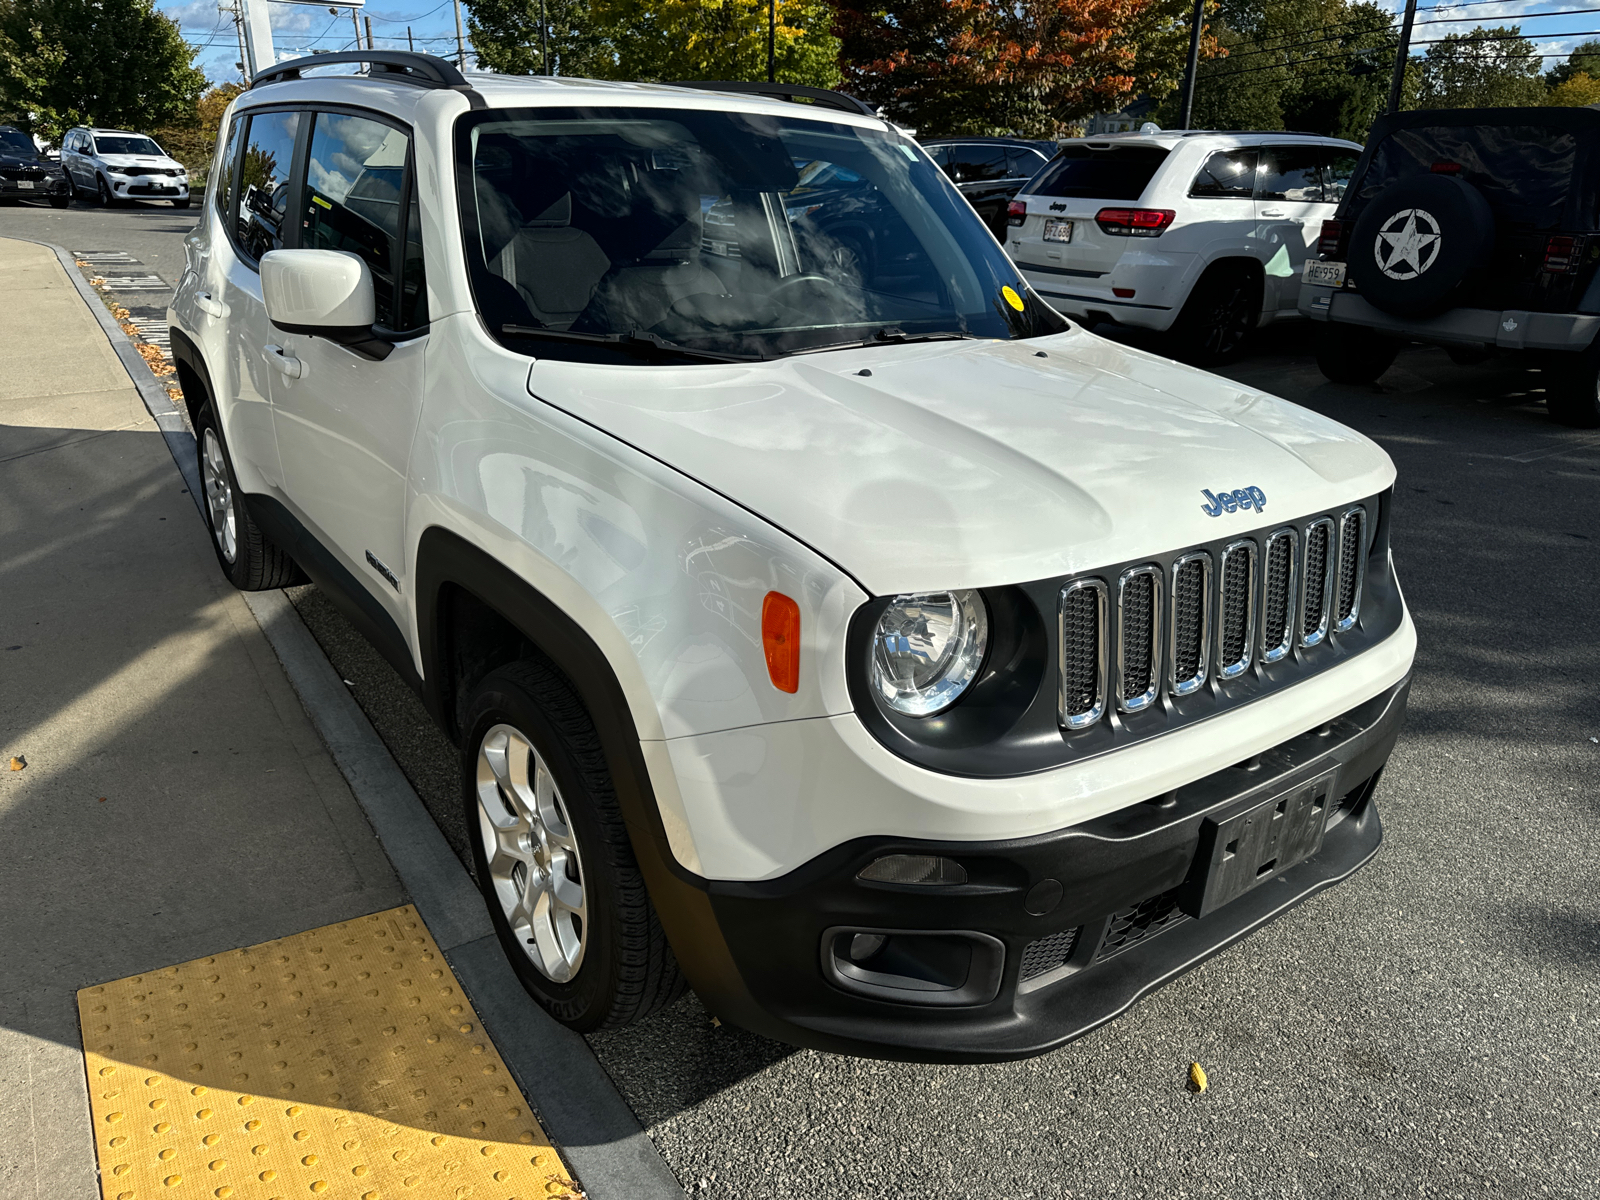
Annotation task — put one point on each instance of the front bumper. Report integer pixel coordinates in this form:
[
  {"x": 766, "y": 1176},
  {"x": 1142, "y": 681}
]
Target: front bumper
[
  {"x": 42, "y": 188},
  {"x": 147, "y": 188},
  {"x": 1508, "y": 329},
  {"x": 1117, "y": 924}
]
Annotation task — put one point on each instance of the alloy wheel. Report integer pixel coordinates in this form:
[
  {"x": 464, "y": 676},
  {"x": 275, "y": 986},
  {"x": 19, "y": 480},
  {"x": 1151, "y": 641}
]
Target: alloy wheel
[
  {"x": 533, "y": 858},
  {"x": 219, "y": 496},
  {"x": 1228, "y": 322},
  {"x": 104, "y": 192}
]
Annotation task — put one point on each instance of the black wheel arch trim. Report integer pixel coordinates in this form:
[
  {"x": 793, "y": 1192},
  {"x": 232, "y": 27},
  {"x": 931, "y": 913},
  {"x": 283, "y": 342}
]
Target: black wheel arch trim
[
  {"x": 444, "y": 560},
  {"x": 187, "y": 354}
]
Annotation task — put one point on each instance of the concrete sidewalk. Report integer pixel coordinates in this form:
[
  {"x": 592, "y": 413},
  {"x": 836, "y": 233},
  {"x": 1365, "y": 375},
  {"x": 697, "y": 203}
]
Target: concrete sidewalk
[
  {"x": 176, "y": 799},
  {"x": 198, "y": 782}
]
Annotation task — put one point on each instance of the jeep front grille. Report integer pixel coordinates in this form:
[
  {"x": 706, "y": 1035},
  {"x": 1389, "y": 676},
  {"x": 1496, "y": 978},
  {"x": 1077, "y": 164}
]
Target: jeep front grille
[
  {"x": 1190, "y": 623},
  {"x": 1047, "y": 953},
  {"x": 1173, "y": 629},
  {"x": 1352, "y": 557},
  {"x": 1138, "y": 638},
  {"x": 1236, "y": 609},
  {"x": 1083, "y": 653},
  {"x": 1316, "y": 583}
]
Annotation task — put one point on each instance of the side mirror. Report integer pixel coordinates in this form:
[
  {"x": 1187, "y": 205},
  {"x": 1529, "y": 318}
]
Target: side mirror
[{"x": 322, "y": 293}]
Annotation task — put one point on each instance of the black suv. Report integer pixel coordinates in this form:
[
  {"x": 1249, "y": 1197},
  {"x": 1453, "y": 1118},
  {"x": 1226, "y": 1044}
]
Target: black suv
[
  {"x": 990, "y": 171},
  {"x": 1474, "y": 229},
  {"x": 26, "y": 174}
]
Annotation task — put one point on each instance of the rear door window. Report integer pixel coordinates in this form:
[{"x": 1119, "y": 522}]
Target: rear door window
[
  {"x": 1338, "y": 167},
  {"x": 264, "y": 182},
  {"x": 354, "y": 190},
  {"x": 1291, "y": 173},
  {"x": 1112, "y": 172},
  {"x": 1227, "y": 175},
  {"x": 977, "y": 164},
  {"x": 1022, "y": 163}
]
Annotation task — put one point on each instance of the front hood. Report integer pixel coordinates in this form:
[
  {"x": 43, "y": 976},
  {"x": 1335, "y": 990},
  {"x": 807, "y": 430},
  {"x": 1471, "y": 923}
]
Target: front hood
[
  {"x": 113, "y": 161},
  {"x": 970, "y": 464}
]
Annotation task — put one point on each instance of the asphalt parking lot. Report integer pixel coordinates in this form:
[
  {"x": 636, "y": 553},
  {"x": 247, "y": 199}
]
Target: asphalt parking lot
[{"x": 1428, "y": 1028}]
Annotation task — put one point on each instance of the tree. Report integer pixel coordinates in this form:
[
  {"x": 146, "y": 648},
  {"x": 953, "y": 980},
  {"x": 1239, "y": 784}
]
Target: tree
[
  {"x": 506, "y": 37},
  {"x": 1486, "y": 68},
  {"x": 1575, "y": 91},
  {"x": 1010, "y": 66},
  {"x": 667, "y": 40},
  {"x": 193, "y": 140},
  {"x": 99, "y": 62},
  {"x": 1585, "y": 58}
]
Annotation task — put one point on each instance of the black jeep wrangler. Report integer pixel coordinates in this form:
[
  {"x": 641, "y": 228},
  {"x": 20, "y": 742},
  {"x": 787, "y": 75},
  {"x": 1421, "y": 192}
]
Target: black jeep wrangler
[{"x": 1473, "y": 229}]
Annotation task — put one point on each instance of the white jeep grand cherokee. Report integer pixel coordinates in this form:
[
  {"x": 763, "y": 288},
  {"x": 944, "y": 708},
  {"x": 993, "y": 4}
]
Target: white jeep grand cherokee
[{"x": 824, "y": 621}]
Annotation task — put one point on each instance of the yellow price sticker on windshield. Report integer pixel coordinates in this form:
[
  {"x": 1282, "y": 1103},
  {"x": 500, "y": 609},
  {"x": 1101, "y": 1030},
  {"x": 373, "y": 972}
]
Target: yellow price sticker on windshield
[{"x": 1012, "y": 298}]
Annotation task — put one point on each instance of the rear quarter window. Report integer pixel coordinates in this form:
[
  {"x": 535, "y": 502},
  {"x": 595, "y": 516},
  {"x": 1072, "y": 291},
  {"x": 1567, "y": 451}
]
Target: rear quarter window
[
  {"x": 1114, "y": 172},
  {"x": 1524, "y": 171}
]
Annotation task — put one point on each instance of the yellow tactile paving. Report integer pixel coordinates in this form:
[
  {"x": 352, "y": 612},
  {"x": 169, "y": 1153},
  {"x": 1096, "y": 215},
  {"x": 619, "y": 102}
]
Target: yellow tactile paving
[{"x": 342, "y": 1062}]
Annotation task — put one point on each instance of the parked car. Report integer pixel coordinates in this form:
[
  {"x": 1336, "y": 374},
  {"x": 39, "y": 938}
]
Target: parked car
[
  {"x": 990, "y": 170},
  {"x": 908, "y": 670},
  {"x": 1474, "y": 229},
  {"x": 26, "y": 174},
  {"x": 1199, "y": 235},
  {"x": 111, "y": 164}
]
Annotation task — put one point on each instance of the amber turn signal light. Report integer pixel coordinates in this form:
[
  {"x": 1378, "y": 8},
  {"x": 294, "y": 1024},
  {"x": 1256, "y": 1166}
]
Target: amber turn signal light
[{"x": 780, "y": 638}]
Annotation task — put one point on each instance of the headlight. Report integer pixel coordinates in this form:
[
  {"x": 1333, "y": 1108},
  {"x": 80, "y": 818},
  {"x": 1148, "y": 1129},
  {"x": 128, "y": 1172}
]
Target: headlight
[{"x": 927, "y": 649}]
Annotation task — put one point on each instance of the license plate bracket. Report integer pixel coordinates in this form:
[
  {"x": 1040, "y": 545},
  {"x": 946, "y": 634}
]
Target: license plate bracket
[
  {"x": 1057, "y": 231},
  {"x": 1241, "y": 850}
]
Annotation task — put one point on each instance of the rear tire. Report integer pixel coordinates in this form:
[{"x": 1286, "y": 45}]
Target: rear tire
[
  {"x": 60, "y": 201},
  {"x": 184, "y": 203},
  {"x": 1217, "y": 320},
  {"x": 251, "y": 560},
  {"x": 545, "y": 841},
  {"x": 1572, "y": 397},
  {"x": 1354, "y": 354}
]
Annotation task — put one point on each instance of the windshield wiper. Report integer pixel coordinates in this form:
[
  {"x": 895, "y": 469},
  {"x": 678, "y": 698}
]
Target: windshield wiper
[
  {"x": 633, "y": 339},
  {"x": 893, "y": 335}
]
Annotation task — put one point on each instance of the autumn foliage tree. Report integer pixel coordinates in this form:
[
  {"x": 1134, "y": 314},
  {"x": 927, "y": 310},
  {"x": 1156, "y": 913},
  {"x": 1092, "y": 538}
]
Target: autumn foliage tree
[{"x": 1024, "y": 66}]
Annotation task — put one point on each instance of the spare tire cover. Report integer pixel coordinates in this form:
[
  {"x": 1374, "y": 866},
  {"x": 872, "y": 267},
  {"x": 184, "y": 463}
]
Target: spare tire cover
[{"x": 1416, "y": 242}]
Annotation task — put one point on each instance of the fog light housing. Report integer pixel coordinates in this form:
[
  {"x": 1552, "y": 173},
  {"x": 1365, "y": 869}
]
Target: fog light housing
[{"x": 916, "y": 869}]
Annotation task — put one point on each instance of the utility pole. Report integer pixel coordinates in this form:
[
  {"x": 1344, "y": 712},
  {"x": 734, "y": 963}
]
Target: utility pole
[
  {"x": 1401, "y": 53},
  {"x": 772, "y": 41},
  {"x": 1186, "y": 115},
  {"x": 356, "y": 21},
  {"x": 369, "y": 32},
  {"x": 544, "y": 41},
  {"x": 234, "y": 11},
  {"x": 461, "y": 41},
  {"x": 409, "y": 41}
]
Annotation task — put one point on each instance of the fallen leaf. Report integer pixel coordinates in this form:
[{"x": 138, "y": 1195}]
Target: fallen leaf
[
  {"x": 1197, "y": 1077},
  {"x": 102, "y": 799},
  {"x": 716, "y": 1023},
  {"x": 18, "y": 762}
]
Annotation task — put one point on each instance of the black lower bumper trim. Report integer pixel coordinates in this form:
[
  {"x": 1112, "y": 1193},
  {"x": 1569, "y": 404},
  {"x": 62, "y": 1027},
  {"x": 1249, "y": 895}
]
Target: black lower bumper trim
[{"x": 1132, "y": 912}]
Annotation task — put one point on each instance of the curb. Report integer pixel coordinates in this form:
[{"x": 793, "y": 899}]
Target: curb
[{"x": 577, "y": 1103}]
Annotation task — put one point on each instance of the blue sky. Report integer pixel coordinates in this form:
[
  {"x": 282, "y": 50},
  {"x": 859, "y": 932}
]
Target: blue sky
[{"x": 301, "y": 27}]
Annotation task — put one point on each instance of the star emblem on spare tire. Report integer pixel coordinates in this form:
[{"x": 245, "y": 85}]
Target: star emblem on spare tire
[{"x": 1408, "y": 244}]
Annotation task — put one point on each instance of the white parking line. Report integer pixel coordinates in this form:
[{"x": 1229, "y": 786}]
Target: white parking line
[{"x": 1580, "y": 442}]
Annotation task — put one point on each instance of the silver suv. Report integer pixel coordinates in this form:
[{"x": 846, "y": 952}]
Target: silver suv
[{"x": 113, "y": 164}]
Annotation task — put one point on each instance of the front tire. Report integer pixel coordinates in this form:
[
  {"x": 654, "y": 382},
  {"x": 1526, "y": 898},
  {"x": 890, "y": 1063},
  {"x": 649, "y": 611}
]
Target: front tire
[
  {"x": 61, "y": 201},
  {"x": 184, "y": 203},
  {"x": 1354, "y": 354},
  {"x": 102, "y": 192},
  {"x": 1216, "y": 322},
  {"x": 251, "y": 560},
  {"x": 552, "y": 855}
]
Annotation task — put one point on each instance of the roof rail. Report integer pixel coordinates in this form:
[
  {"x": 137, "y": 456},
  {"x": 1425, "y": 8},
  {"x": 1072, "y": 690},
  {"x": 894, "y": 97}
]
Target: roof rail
[
  {"x": 397, "y": 66},
  {"x": 785, "y": 91}
]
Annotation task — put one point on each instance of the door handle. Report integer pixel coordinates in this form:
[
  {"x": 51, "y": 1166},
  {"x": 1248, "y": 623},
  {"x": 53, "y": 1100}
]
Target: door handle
[
  {"x": 1272, "y": 212},
  {"x": 209, "y": 305},
  {"x": 285, "y": 364}
]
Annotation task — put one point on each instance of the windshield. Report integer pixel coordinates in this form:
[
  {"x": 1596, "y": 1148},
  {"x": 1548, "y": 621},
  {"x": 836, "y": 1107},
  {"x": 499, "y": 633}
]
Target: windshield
[
  {"x": 594, "y": 232},
  {"x": 110, "y": 143},
  {"x": 12, "y": 142}
]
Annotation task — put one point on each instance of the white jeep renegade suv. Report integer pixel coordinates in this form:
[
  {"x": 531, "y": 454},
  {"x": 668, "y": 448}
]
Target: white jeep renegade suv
[
  {"x": 826, "y": 624},
  {"x": 1202, "y": 234}
]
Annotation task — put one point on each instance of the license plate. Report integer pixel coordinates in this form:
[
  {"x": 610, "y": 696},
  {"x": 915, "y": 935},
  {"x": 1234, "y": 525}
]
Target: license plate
[
  {"x": 1328, "y": 274},
  {"x": 1243, "y": 850},
  {"x": 25, "y": 184},
  {"x": 1058, "y": 231}
]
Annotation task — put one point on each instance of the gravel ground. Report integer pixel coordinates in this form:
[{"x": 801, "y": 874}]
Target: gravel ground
[{"x": 1428, "y": 1028}]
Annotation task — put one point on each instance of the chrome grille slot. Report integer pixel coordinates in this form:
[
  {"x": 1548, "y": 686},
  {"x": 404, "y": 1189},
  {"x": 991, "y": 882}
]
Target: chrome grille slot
[
  {"x": 1082, "y": 626},
  {"x": 1278, "y": 596},
  {"x": 1316, "y": 583},
  {"x": 1138, "y": 638},
  {"x": 1236, "y": 609},
  {"x": 1190, "y": 623},
  {"x": 1352, "y": 569}
]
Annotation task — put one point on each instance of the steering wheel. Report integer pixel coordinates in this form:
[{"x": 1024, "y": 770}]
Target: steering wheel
[{"x": 776, "y": 295}]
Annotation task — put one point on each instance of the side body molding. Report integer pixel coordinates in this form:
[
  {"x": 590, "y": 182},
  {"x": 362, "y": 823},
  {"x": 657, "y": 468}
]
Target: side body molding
[{"x": 447, "y": 566}]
